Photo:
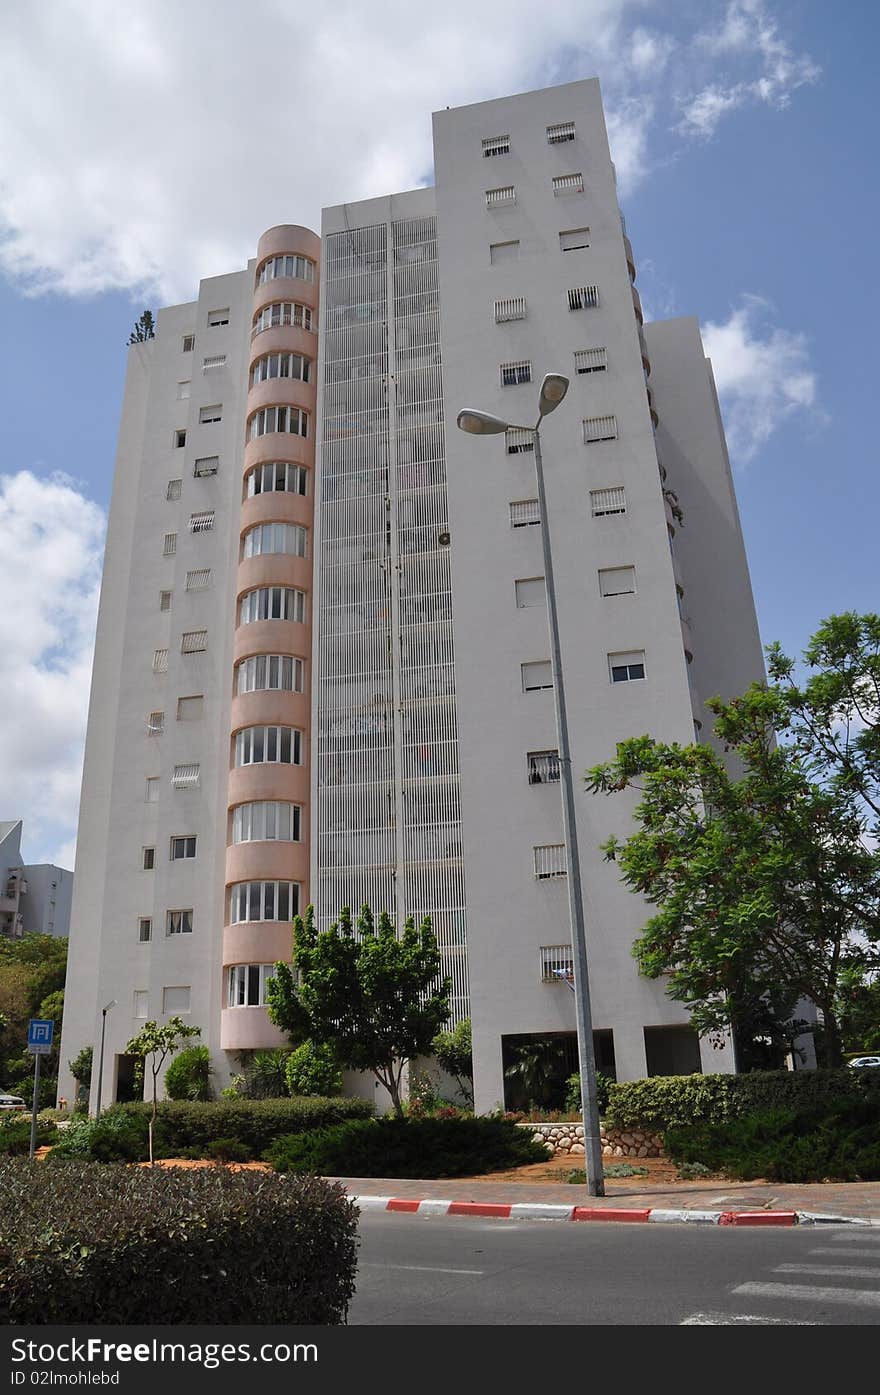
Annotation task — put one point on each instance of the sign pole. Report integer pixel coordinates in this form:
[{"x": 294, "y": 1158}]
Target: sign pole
[{"x": 37, "y": 1058}]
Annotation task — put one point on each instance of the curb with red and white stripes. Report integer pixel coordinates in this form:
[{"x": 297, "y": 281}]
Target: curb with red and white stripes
[{"x": 538, "y": 1211}]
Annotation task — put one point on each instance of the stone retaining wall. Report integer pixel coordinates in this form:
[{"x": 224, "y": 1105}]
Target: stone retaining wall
[{"x": 566, "y": 1139}]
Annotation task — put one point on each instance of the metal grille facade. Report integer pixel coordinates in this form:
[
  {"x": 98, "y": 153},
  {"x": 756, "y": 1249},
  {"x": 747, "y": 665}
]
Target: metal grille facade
[{"x": 388, "y": 815}]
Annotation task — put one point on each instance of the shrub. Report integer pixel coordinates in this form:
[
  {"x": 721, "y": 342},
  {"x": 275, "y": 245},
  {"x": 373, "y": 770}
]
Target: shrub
[
  {"x": 573, "y": 1092},
  {"x": 679, "y": 1100},
  {"x": 257, "y": 1123},
  {"x": 87, "y": 1244},
  {"x": 189, "y": 1075},
  {"x": 264, "y": 1074},
  {"x": 313, "y": 1069},
  {"x": 114, "y": 1137},
  {"x": 229, "y": 1150},
  {"x": 579, "y": 1174},
  {"x": 393, "y": 1147},
  {"x": 15, "y": 1135}
]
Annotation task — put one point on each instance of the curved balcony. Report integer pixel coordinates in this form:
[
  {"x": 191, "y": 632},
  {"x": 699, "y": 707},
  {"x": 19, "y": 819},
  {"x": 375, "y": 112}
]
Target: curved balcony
[
  {"x": 284, "y": 339},
  {"x": 276, "y": 506},
  {"x": 637, "y": 306},
  {"x": 283, "y": 392},
  {"x": 667, "y": 507},
  {"x": 270, "y": 637},
  {"x": 652, "y": 409},
  {"x": 273, "y": 569},
  {"x": 287, "y": 289},
  {"x": 281, "y": 445},
  {"x": 249, "y": 1028},
  {"x": 289, "y": 237},
  {"x": 630, "y": 259},
  {"x": 268, "y": 780},
  {"x": 676, "y": 572},
  {"x": 687, "y": 639},
  {"x": 267, "y": 862},
  {"x": 271, "y": 707}
]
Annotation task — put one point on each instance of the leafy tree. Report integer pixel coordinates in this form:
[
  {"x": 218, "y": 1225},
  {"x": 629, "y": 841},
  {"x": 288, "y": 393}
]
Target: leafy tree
[
  {"x": 765, "y": 888},
  {"x": 157, "y": 1043},
  {"x": 314, "y": 1070},
  {"x": 32, "y": 974},
  {"x": 453, "y": 1053},
  {"x": 371, "y": 995},
  {"x": 537, "y": 1072},
  {"x": 81, "y": 1070},
  {"x": 144, "y": 329}
]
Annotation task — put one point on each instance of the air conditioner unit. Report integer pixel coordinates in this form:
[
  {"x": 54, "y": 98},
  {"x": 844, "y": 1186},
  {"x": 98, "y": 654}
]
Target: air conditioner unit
[{"x": 444, "y": 539}]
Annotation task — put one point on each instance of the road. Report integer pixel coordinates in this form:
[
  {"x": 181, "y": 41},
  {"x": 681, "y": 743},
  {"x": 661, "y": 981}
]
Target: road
[{"x": 424, "y": 1270}]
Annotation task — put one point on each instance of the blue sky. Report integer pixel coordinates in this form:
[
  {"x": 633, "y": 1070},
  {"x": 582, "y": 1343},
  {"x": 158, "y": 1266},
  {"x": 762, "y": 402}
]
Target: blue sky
[{"x": 743, "y": 132}]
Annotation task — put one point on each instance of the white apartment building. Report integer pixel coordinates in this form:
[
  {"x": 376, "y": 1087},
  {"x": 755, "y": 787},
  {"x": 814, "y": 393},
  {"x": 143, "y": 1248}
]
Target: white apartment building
[
  {"x": 34, "y": 897},
  {"x": 434, "y": 780}
]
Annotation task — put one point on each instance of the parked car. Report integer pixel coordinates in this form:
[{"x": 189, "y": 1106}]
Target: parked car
[
  {"x": 12, "y": 1102},
  {"x": 866, "y": 1061}
]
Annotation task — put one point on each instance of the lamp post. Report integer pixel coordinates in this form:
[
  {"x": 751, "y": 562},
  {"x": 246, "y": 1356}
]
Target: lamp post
[
  {"x": 553, "y": 390},
  {"x": 104, "y": 1011}
]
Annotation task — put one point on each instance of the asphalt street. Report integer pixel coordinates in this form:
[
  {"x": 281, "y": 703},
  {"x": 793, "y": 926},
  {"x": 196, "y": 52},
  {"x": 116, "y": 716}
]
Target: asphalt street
[{"x": 429, "y": 1270}]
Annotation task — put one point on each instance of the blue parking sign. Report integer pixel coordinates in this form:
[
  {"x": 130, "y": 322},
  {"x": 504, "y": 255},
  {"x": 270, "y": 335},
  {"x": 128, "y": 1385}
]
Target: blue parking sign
[{"x": 40, "y": 1033}]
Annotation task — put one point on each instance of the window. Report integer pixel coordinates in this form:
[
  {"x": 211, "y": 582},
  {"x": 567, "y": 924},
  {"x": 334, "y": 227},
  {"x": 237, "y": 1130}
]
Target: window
[
  {"x": 583, "y": 297},
  {"x": 625, "y": 668},
  {"x": 169, "y": 546},
  {"x": 165, "y": 600},
  {"x": 562, "y": 131},
  {"x": 288, "y": 538},
  {"x": 206, "y": 465},
  {"x": 173, "y": 490},
  {"x": 179, "y": 922},
  {"x": 267, "y": 671},
  {"x": 590, "y": 360},
  {"x": 183, "y": 390},
  {"x": 543, "y": 767},
  {"x": 209, "y": 365},
  {"x": 183, "y": 848},
  {"x": 557, "y": 964},
  {"x": 211, "y": 414},
  {"x": 497, "y": 197},
  {"x": 503, "y": 252},
  {"x": 141, "y": 1004},
  {"x": 255, "y": 745},
  {"x": 149, "y": 859},
  {"x": 568, "y": 184},
  {"x": 599, "y": 429},
  {"x": 531, "y": 591},
  {"x": 175, "y": 1000},
  {"x": 188, "y": 343},
  {"x": 550, "y": 861},
  {"x": 263, "y": 901},
  {"x": 151, "y": 790},
  {"x": 518, "y": 440},
  {"x": 160, "y": 660},
  {"x": 185, "y": 776},
  {"x": 511, "y": 308},
  {"x": 202, "y": 522},
  {"x": 292, "y": 420},
  {"x": 272, "y": 603},
  {"x": 218, "y": 317},
  {"x": 281, "y": 366},
  {"x": 496, "y": 145},
  {"x": 288, "y": 266},
  {"x": 574, "y": 240},
  {"x": 179, "y": 439},
  {"x": 156, "y": 723},
  {"x": 193, "y": 641},
  {"x": 537, "y": 676},
  {"x": 523, "y": 513},
  {"x": 267, "y": 821},
  {"x": 608, "y": 501},
  {"x": 198, "y": 580},
  {"x": 190, "y": 709},
  {"x": 277, "y": 476},
  {"x": 282, "y": 313},
  {"x": 513, "y": 374},
  {"x": 145, "y": 929},
  {"x": 617, "y": 581},
  {"x": 247, "y": 984}
]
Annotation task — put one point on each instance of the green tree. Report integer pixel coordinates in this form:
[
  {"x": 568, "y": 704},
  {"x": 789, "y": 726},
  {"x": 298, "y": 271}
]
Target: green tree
[
  {"x": 81, "y": 1070},
  {"x": 454, "y": 1053},
  {"x": 765, "y": 887},
  {"x": 314, "y": 1070},
  {"x": 32, "y": 974},
  {"x": 156, "y": 1043},
  {"x": 144, "y": 329},
  {"x": 372, "y": 995}
]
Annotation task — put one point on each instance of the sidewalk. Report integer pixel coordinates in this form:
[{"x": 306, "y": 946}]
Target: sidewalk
[{"x": 788, "y": 1203}]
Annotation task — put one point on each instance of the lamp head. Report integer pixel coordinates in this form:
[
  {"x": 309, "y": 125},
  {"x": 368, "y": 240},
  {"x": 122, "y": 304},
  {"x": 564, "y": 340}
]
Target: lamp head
[
  {"x": 553, "y": 389},
  {"x": 111, "y": 1004},
  {"x": 480, "y": 423}
]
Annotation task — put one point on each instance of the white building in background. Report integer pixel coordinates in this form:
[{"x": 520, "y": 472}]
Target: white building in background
[
  {"x": 34, "y": 897},
  {"x": 434, "y": 783}
]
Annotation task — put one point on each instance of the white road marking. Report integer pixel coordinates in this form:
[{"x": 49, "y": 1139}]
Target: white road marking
[
  {"x": 859, "y": 1297},
  {"x": 424, "y": 1268},
  {"x": 740, "y": 1320},
  {"x": 847, "y": 1254},
  {"x": 831, "y": 1271}
]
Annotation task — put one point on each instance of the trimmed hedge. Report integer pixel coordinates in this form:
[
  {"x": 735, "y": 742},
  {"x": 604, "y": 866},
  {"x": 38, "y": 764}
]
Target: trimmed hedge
[
  {"x": 667, "y": 1101},
  {"x": 255, "y": 1123},
  {"x": 115, "y": 1137},
  {"x": 392, "y": 1147},
  {"x": 787, "y": 1145},
  {"x": 90, "y": 1244}
]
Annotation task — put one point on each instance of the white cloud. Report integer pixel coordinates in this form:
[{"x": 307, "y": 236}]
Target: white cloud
[
  {"x": 167, "y": 136},
  {"x": 50, "y": 569},
  {"x": 762, "y": 372}
]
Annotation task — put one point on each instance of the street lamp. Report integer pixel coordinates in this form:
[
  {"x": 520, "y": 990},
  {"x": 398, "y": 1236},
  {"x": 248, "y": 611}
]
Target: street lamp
[
  {"x": 104, "y": 1011},
  {"x": 553, "y": 390}
]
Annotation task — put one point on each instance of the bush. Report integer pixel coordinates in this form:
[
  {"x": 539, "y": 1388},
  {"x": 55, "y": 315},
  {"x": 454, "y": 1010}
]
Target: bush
[
  {"x": 313, "y": 1069},
  {"x": 189, "y": 1075},
  {"x": 394, "y": 1147},
  {"x": 15, "y": 1135},
  {"x": 677, "y": 1100},
  {"x": 573, "y": 1092},
  {"x": 86, "y": 1244},
  {"x": 229, "y": 1150},
  {"x": 786, "y": 1145},
  {"x": 256, "y": 1123},
  {"x": 114, "y": 1137},
  {"x": 264, "y": 1074}
]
